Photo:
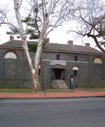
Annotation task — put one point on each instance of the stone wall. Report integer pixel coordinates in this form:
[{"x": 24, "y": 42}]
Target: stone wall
[{"x": 14, "y": 72}]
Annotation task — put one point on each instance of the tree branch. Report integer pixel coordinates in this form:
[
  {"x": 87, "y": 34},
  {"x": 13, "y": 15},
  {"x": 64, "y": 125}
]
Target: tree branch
[
  {"x": 10, "y": 24},
  {"x": 96, "y": 41}
]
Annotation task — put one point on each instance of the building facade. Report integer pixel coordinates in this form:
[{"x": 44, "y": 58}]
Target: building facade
[{"x": 60, "y": 62}]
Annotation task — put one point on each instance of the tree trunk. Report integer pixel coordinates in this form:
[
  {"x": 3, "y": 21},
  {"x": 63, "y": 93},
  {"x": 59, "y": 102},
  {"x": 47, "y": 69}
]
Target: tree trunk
[
  {"x": 30, "y": 66},
  {"x": 42, "y": 78},
  {"x": 25, "y": 47},
  {"x": 33, "y": 72},
  {"x": 39, "y": 51}
]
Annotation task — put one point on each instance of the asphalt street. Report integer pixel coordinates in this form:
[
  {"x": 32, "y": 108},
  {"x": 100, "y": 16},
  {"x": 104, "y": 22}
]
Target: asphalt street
[{"x": 81, "y": 112}]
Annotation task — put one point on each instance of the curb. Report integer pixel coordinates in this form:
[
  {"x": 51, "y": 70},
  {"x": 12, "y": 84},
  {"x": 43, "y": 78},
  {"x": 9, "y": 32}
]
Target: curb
[{"x": 52, "y": 97}]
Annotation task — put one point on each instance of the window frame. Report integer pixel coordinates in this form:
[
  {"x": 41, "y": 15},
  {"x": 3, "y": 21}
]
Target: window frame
[
  {"x": 10, "y": 55},
  {"x": 75, "y": 70},
  {"x": 75, "y": 58},
  {"x": 75, "y": 73},
  {"x": 57, "y": 57},
  {"x": 98, "y": 60}
]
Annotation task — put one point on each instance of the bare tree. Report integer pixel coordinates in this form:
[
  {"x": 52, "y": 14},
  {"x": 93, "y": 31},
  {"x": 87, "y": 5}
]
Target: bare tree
[
  {"x": 90, "y": 20},
  {"x": 51, "y": 15}
]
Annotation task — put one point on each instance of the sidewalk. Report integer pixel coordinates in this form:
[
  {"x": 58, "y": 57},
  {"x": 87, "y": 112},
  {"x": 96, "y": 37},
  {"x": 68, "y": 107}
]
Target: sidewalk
[{"x": 75, "y": 94}]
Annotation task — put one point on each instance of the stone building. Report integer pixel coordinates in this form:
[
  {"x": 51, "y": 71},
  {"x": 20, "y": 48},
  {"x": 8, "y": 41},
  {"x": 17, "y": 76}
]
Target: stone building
[{"x": 60, "y": 62}]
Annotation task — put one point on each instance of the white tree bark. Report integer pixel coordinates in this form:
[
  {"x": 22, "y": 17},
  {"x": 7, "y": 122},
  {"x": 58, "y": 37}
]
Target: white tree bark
[
  {"x": 39, "y": 50},
  {"x": 51, "y": 16},
  {"x": 24, "y": 44}
]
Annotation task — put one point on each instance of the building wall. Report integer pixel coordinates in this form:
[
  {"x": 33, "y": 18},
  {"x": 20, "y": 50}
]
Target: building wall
[
  {"x": 64, "y": 56},
  {"x": 16, "y": 73},
  {"x": 13, "y": 72},
  {"x": 90, "y": 74}
]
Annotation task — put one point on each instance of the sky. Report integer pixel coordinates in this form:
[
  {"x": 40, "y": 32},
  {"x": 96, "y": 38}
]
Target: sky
[{"x": 59, "y": 35}]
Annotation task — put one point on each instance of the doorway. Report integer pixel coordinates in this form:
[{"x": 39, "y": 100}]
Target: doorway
[{"x": 59, "y": 74}]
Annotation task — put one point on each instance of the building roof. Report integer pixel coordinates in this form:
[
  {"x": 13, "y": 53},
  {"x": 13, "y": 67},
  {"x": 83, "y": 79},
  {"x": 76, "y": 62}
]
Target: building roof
[
  {"x": 72, "y": 48},
  {"x": 54, "y": 47}
]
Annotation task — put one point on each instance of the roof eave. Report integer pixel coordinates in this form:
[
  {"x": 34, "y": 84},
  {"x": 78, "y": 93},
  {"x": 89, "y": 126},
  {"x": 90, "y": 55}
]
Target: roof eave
[{"x": 63, "y": 51}]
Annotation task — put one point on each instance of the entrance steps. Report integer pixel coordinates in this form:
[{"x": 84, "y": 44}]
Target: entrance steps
[
  {"x": 62, "y": 84},
  {"x": 59, "y": 84}
]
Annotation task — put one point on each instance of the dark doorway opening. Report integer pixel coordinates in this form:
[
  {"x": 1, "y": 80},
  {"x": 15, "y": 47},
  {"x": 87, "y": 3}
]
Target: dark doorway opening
[{"x": 59, "y": 74}]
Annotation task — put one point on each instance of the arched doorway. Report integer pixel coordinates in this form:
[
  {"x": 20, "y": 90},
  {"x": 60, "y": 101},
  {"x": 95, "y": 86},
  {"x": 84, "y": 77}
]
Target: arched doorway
[{"x": 10, "y": 65}]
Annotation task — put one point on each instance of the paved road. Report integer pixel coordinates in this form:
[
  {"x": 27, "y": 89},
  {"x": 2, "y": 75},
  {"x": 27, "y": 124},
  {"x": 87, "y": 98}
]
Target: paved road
[{"x": 84, "y": 112}]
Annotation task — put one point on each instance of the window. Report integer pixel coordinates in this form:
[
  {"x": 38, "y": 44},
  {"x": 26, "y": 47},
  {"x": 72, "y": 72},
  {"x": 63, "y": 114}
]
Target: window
[
  {"x": 39, "y": 72},
  {"x": 75, "y": 70},
  {"x": 97, "y": 61},
  {"x": 10, "y": 55},
  {"x": 75, "y": 58},
  {"x": 58, "y": 57}
]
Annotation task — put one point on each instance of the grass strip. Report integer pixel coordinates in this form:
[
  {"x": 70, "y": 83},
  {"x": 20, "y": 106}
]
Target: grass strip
[
  {"x": 26, "y": 91},
  {"x": 97, "y": 89},
  {"x": 15, "y": 91},
  {"x": 56, "y": 91}
]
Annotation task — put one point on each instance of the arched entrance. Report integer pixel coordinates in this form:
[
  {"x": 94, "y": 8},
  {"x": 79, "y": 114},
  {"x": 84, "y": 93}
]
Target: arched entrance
[{"x": 10, "y": 64}]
